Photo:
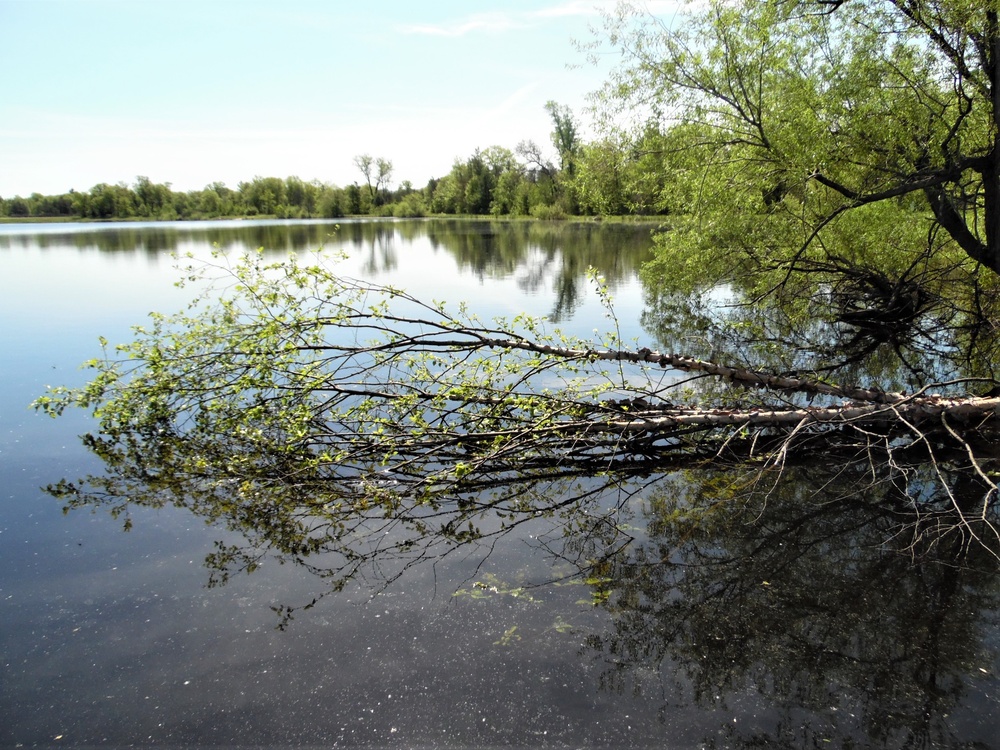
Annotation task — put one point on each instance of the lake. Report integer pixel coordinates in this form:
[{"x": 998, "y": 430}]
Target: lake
[{"x": 801, "y": 617}]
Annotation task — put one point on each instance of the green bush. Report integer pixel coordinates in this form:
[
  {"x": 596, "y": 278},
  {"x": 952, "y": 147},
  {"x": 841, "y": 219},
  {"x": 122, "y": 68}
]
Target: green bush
[{"x": 542, "y": 211}]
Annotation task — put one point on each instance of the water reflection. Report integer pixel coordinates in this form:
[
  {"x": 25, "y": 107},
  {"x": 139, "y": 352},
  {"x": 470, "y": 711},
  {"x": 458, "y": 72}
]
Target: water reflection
[
  {"x": 851, "y": 615},
  {"x": 942, "y": 340},
  {"x": 541, "y": 255},
  {"x": 847, "y": 598},
  {"x": 840, "y": 600},
  {"x": 838, "y": 604},
  {"x": 538, "y": 251},
  {"x": 158, "y": 237}
]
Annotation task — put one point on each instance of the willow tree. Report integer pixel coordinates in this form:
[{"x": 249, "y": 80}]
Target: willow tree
[
  {"x": 310, "y": 401},
  {"x": 820, "y": 136}
]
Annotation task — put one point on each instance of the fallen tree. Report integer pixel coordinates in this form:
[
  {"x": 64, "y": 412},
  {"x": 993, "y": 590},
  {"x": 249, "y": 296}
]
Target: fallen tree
[{"x": 347, "y": 393}]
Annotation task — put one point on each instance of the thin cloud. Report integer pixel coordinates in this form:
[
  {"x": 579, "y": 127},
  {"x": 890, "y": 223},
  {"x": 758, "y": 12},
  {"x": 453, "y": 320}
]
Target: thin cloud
[
  {"x": 508, "y": 21},
  {"x": 572, "y": 8},
  {"x": 478, "y": 22},
  {"x": 598, "y": 7}
]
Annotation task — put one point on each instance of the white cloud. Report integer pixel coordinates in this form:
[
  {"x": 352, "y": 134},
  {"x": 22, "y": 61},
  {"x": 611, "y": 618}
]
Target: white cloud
[
  {"x": 507, "y": 21},
  {"x": 479, "y": 22},
  {"x": 572, "y": 8}
]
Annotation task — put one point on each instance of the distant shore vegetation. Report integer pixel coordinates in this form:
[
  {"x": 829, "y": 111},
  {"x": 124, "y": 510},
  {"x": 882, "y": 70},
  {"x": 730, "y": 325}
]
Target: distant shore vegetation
[{"x": 605, "y": 178}]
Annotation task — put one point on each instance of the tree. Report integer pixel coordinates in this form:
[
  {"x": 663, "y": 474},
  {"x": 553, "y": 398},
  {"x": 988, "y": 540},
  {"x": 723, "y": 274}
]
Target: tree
[
  {"x": 152, "y": 199},
  {"x": 301, "y": 195},
  {"x": 330, "y": 202},
  {"x": 383, "y": 176},
  {"x": 600, "y": 178},
  {"x": 365, "y": 163},
  {"x": 18, "y": 206},
  {"x": 51, "y": 205},
  {"x": 448, "y": 195},
  {"x": 506, "y": 195},
  {"x": 264, "y": 194},
  {"x": 500, "y": 160},
  {"x": 215, "y": 200},
  {"x": 294, "y": 375},
  {"x": 470, "y": 186},
  {"x": 818, "y": 135},
  {"x": 564, "y": 135},
  {"x": 352, "y": 199},
  {"x": 536, "y": 164},
  {"x": 377, "y": 173},
  {"x": 111, "y": 202}
]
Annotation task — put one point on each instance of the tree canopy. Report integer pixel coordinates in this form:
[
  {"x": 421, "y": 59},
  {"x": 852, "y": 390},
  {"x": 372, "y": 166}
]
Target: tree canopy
[{"x": 807, "y": 135}]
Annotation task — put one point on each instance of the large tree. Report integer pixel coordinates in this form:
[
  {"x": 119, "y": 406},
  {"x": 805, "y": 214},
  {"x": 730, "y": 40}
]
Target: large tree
[
  {"x": 815, "y": 132},
  {"x": 564, "y": 135},
  {"x": 377, "y": 172}
]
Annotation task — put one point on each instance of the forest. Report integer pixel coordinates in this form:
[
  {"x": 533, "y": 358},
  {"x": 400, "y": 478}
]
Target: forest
[{"x": 612, "y": 177}]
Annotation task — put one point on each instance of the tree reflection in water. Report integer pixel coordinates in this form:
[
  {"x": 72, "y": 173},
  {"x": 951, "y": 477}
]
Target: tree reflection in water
[
  {"x": 844, "y": 594},
  {"x": 841, "y": 593},
  {"x": 925, "y": 332},
  {"x": 852, "y": 594},
  {"x": 850, "y": 613}
]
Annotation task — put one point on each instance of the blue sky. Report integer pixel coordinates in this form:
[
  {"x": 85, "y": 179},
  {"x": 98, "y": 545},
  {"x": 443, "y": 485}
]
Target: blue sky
[{"x": 193, "y": 91}]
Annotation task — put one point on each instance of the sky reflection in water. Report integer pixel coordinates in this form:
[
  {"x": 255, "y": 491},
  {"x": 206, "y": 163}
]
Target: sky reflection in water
[{"x": 783, "y": 618}]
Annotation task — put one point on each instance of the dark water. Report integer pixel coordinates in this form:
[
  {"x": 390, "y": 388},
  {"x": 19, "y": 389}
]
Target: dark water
[{"x": 806, "y": 616}]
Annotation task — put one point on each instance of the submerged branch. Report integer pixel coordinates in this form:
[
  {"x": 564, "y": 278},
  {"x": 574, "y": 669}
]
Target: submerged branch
[{"x": 302, "y": 388}]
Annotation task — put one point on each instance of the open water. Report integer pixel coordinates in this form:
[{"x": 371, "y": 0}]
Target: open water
[{"x": 799, "y": 626}]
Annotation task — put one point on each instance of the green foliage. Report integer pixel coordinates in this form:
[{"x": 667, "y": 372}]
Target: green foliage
[
  {"x": 324, "y": 416},
  {"x": 263, "y": 196},
  {"x": 544, "y": 211},
  {"x": 509, "y": 199},
  {"x": 471, "y": 186},
  {"x": 493, "y": 181},
  {"x": 18, "y": 206},
  {"x": 278, "y": 363},
  {"x": 564, "y": 135},
  {"x": 620, "y": 175},
  {"x": 377, "y": 172},
  {"x": 600, "y": 177},
  {"x": 410, "y": 207},
  {"x": 352, "y": 200},
  {"x": 803, "y": 136}
]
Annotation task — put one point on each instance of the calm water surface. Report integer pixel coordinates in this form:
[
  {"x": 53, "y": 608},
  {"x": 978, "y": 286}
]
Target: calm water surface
[{"x": 788, "y": 631}]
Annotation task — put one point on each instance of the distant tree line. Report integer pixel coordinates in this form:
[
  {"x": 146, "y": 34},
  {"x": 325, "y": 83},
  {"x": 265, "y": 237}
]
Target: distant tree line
[
  {"x": 607, "y": 177},
  {"x": 262, "y": 196}
]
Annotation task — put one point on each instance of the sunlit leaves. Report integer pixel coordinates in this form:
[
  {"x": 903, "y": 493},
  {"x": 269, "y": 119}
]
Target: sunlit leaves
[{"x": 780, "y": 119}]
